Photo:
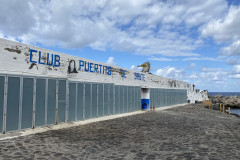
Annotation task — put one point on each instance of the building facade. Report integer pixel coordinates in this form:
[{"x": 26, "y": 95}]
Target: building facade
[{"x": 40, "y": 87}]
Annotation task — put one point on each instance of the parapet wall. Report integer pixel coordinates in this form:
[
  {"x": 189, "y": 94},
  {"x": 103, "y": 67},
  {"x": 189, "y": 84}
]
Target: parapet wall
[{"x": 21, "y": 59}]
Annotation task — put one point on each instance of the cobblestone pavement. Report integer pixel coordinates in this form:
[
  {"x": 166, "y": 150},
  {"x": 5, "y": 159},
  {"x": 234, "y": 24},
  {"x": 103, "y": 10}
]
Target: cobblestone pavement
[{"x": 187, "y": 132}]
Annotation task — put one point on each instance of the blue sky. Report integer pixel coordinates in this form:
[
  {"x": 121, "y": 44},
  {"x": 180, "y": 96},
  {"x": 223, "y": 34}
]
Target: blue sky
[{"x": 197, "y": 41}]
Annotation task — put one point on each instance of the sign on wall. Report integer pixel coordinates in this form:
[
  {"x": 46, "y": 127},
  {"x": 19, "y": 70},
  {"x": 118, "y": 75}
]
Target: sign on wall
[{"x": 76, "y": 66}]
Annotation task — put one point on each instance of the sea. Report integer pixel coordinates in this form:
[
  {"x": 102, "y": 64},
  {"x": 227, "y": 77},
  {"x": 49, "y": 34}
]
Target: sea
[
  {"x": 236, "y": 111},
  {"x": 224, "y": 93}
]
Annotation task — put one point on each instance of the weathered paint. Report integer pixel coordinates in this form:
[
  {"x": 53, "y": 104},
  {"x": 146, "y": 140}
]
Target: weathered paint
[{"x": 21, "y": 59}]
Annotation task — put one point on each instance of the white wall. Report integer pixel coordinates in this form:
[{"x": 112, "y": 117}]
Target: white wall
[
  {"x": 196, "y": 94},
  {"x": 15, "y": 59}
]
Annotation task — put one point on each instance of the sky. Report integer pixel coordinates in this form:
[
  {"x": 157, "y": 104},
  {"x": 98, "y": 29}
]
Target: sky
[{"x": 197, "y": 41}]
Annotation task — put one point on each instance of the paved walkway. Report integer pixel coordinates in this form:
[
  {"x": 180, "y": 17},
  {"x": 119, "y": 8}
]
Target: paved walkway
[{"x": 187, "y": 132}]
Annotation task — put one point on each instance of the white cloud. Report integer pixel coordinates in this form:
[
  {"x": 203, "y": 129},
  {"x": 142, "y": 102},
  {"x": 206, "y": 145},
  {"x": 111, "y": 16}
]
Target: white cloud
[
  {"x": 235, "y": 76},
  {"x": 192, "y": 65},
  {"x": 191, "y": 13},
  {"x": 8, "y": 37},
  {"x": 160, "y": 59},
  {"x": 1, "y": 35},
  {"x": 236, "y": 69},
  {"x": 227, "y": 29},
  {"x": 193, "y": 76},
  {"x": 138, "y": 26},
  {"x": 233, "y": 61},
  {"x": 236, "y": 73},
  {"x": 201, "y": 59},
  {"x": 232, "y": 50},
  {"x": 171, "y": 72},
  {"x": 205, "y": 69},
  {"x": 210, "y": 76},
  {"x": 16, "y": 17},
  {"x": 133, "y": 67},
  {"x": 214, "y": 76},
  {"x": 110, "y": 61}
]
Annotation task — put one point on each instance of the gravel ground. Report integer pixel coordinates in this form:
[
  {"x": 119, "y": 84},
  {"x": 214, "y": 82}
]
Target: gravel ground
[{"x": 186, "y": 132}]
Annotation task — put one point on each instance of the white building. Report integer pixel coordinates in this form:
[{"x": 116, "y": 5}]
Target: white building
[{"x": 39, "y": 87}]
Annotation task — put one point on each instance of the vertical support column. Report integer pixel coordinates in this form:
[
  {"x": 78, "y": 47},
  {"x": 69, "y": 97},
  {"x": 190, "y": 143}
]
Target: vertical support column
[
  {"x": 46, "y": 101},
  {"x": 67, "y": 101},
  {"x": 76, "y": 111},
  {"x": 145, "y": 95},
  {"x": 56, "y": 111},
  {"x": 5, "y": 104},
  {"x": 20, "y": 104},
  {"x": 84, "y": 101},
  {"x": 97, "y": 100},
  {"x": 34, "y": 102}
]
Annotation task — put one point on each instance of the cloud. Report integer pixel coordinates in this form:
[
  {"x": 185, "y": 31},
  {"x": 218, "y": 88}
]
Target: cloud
[
  {"x": 205, "y": 69},
  {"x": 110, "y": 61},
  {"x": 1, "y": 35},
  {"x": 235, "y": 72},
  {"x": 235, "y": 76},
  {"x": 133, "y": 67},
  {"x": 232, "y": 50},
  {"x": 192, "y": 65},
  {"x": 16, "y": 17},
  {"x": 166, "y": 28},
  {"x": 213, "y": 76},
  {"x": 160, "y": 59},
  {"x": 236, "y": 69},
  {"x": 171, "y": 72},
  {"x": 233, "y": 61},
  {"x": 210, "y": 76},
  {"x": 224, "y": 29},
  {"x": 201, "y": 59},
  {"x": 193, "y": 76}
]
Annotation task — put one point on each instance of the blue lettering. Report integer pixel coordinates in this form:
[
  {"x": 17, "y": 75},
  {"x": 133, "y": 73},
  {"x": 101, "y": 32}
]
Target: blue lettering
[
  {"x": 96, "y": 68},
  {"x": 86, "y": 69},
  {"x": 109, "y": 70},
  {"x": 100, "y": 66},
  {"x": 143, "y": 77},
  {"x": 53, "y": 61},
  {"x": 39, "y": 58},
  {"x": 139, "y": 76},
  {"x": 123, "y": 73},
  {"x": 104, "y": 69},
  {"x": 56, "y": 60},
  {"x": 50, "y": 64},
  {"x": 91, "y": 67},
  {"x": 81, "y": 64},
  {"x": 31, "y": 51}
]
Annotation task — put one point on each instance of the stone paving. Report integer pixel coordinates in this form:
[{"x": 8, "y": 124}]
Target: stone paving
[{"x": 186, "y": 132}]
